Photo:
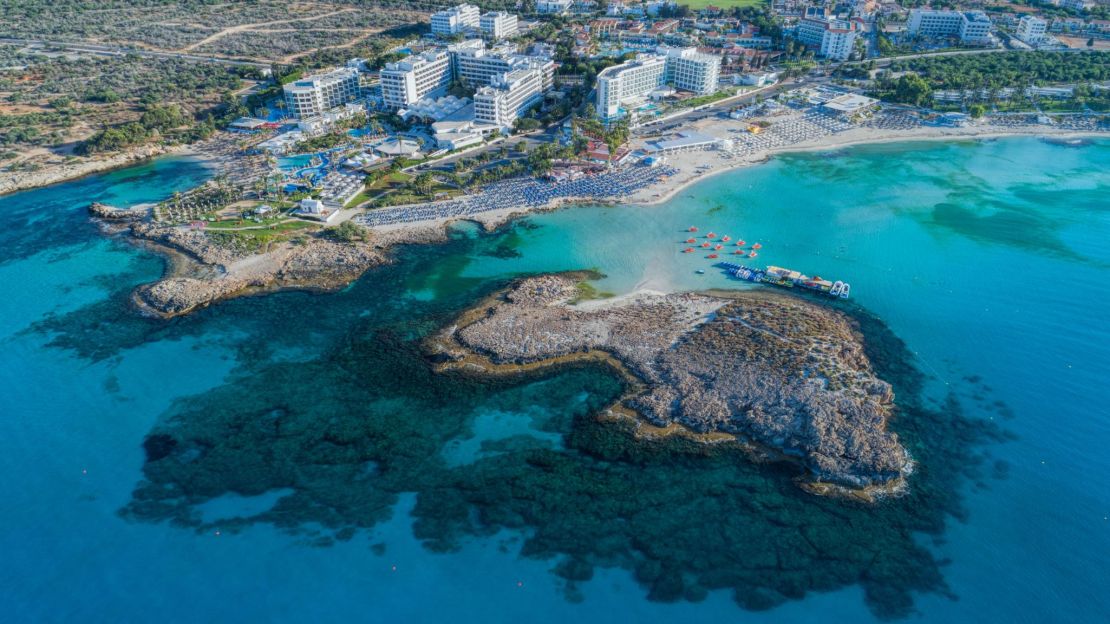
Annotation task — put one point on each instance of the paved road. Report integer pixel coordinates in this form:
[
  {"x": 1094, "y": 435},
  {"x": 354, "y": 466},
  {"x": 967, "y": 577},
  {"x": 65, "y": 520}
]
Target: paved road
[{"x": 92, "y": 48}]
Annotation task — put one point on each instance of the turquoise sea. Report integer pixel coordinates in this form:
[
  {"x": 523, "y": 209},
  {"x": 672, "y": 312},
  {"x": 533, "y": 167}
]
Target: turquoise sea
[{"x": 291, "y": 457}]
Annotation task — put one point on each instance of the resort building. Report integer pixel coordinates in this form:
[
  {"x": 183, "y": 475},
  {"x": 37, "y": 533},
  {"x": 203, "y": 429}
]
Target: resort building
[
  {"x": 456, "y": 19},
  {"x": 498, "y": 25},
  {"x": 690, "y": 70},
  {"x": 474, "y": 65},
  {"x": 629, "y": 80},
  {"x": 683, "y": 68},
  {"x": 972, "y": 27},
  {"x": 508, "y": 96},
  {"x": 553, "y": 7},
  {"x": 315, "y": 94},
  {"x": 832, "y": 38},
  {"x": 1031, "y": 30},
  {"x": 408, "y": 81}
]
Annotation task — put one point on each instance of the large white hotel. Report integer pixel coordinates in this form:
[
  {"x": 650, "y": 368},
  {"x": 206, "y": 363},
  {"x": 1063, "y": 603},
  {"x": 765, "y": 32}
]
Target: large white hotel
[
  {"x": 406, "y": 82},
  {"x": 684, "y": 68},
  {"x": 410, "y": 80},
  {"x": 832, "y": 38},
  {"x": 508, "y": 96},
  {"x": 970, "y": 26},
  {"x": 313, "y": 95},
  {"x": 456, "y": 19}
]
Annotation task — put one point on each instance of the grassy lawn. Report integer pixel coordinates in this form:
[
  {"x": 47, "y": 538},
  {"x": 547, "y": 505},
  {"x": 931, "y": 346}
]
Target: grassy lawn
[
  {"x": 258, "y": 238},
  {"x": 720, "y": 4}
]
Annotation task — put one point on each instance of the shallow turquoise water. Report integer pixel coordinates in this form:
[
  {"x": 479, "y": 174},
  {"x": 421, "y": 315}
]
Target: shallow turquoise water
[{"x": 989, "y": 259}]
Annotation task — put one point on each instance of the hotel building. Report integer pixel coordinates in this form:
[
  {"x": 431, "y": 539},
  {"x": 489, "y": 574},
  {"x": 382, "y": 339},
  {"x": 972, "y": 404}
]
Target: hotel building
[
  {"x": 508, "y": 96},
  {"x": 1031, "y": 29},
  {"x": 684, "y": 68},
  {"x": 690, "y": 70},
  {"x": 476, "y": 66},
  {"x": 425, "y": 75},
  {"x": 971, "y": 26},
  {"x": 456, "y": 19},
  {"x": 498, "y": 25},
  {"x": 832, "y": 38},
  {"x": 315, "y": 94}
]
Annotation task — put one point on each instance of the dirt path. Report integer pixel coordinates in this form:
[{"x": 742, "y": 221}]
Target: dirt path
[{"x": 250, "y": 27}]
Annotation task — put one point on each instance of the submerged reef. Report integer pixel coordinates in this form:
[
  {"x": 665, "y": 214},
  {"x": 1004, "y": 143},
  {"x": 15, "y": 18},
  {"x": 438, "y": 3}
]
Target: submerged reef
[
  {"x": 682, "y": 516},
  {"x": 785, "y": 374}
]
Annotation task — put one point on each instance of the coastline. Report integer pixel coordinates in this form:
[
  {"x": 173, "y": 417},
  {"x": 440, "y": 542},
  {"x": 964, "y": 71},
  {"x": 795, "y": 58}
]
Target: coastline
[
  {"x": 198, "y": 279},
  {"x": 14, "y": 182}
]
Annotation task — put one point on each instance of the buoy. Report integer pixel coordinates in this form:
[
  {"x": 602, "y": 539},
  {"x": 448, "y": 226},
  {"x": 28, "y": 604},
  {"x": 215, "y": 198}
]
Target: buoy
[{"x": 393, "y": 568}]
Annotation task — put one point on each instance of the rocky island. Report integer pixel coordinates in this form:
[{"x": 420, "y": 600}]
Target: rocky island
[{"x": 787, "y": 378}]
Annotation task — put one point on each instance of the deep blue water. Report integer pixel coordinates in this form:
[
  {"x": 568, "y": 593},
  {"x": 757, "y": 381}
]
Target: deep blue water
[{"x": 990, "y": 260}]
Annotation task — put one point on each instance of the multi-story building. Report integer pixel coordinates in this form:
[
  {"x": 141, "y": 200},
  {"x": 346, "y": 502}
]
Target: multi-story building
[
  {"x": 631, "y": 79},
  {"x": 1031, "y": 29},
  {"x": 972, "y": 27},
  {"x": 408, "y": 81},
  {"x": 508, "y": 96},
  {"x": 456, "y": 19},
  {"x": 553, "y": 7},
  {"x": 315, "y": 94},
  {"x": 690, "y": 70},
  {"x": 474, "y": 65},
  {"x": 832, "y": 38},
  {"x": 498, "y": 25}
]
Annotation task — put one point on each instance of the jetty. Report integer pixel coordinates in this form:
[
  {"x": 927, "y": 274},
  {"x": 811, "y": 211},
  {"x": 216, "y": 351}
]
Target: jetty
[{"x": 787, "y": 278}]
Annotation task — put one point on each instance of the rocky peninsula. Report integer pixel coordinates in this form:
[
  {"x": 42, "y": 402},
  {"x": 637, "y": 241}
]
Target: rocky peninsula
[
  {"x": 785, "y": 377},
  {"x": 205, "y": 267}
]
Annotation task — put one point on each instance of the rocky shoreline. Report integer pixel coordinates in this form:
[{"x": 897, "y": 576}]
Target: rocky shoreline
[
  {"x": 201, "y": 271},
  {"x": 65, "y": 170},
  {"x": 786, "y": 378}
]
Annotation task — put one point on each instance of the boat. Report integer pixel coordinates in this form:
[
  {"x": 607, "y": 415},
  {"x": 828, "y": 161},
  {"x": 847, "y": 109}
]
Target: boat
[
  {"x": 692, "y": 229},
  {"x": 691, "y": 241},
  {"x": 700, "y": 271},
  {"x": 705, "y": 245},
  {"x": 719, "y": 247},
  {"x": 688, "y": 250},
  {"x": 752, "y": 254},
  {"x": 711, "y": 235},
  {"x": 726, "y": 238},
  {"x": 712, "y": 256},
  {"x": 757, "y": 246},
  {"x": 740, "y": 243},
  {"x": 738, "y": 252},
  {"x": 787, "y": 278}
]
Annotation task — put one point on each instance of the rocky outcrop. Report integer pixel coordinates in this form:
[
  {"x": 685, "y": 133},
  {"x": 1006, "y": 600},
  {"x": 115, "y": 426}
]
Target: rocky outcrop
[
  {"x": 215, "y": 270},
  {"x": 777, "y": 371},
  {"x": 112, "y": 213}
]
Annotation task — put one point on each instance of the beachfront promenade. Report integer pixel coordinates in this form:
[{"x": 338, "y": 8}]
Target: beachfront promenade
[{"x": 521, "y": 193}]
